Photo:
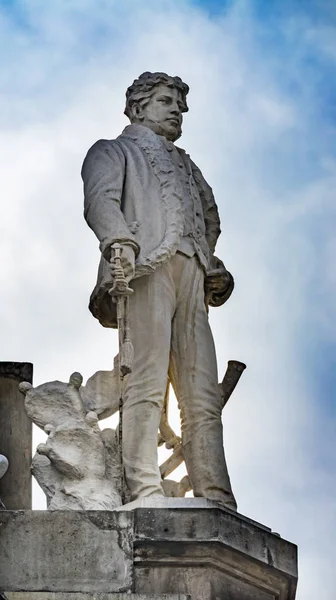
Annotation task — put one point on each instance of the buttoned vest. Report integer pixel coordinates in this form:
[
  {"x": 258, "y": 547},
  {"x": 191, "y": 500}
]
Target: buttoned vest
[{"x": 194, "y": 227}]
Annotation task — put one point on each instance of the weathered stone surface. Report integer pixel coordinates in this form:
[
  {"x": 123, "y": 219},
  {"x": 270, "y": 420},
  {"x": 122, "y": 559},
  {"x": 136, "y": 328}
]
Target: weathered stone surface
[
  {"x": 208, "y": 553},
  {"x": 15, "y": 436},
  {"x": 78, "y": 467},
  {"x": 101, "y": 392},
  {"x": 66, "y": 551},
  {"x": 20, "y": 371},
  {"x": 81, "y": 596},
  {"x": 211, "y": 554},
  {"x": 185, "y": 503}
]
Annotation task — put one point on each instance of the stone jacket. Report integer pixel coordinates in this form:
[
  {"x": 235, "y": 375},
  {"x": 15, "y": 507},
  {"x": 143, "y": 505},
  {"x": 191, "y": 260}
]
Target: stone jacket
[{"x": 133, "y": 194}]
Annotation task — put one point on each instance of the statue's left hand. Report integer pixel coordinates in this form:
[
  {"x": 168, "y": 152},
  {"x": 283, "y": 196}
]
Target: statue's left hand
[
  {"x": 217, "y": 279},
  {"x": 218, "y": 284}
]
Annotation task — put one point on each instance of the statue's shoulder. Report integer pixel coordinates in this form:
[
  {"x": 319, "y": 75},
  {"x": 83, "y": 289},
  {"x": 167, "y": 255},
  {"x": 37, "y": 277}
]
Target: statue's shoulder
[
  {"x": 105, "y": 146},
  {"x": 102, "y": 151}
]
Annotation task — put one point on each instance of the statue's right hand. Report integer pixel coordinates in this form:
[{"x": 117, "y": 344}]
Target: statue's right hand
[{"x": 127, "y": 260}]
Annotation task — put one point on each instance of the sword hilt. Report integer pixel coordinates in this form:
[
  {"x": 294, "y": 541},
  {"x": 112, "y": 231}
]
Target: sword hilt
[{"x": 120, "y": 285}]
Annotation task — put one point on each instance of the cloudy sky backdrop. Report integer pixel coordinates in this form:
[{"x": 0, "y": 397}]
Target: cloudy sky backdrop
[{"x": 262, "y": 128}]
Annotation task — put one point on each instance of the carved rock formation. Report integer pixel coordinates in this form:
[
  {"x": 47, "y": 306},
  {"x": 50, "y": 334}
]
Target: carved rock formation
[{"x": 78, "y": 467}]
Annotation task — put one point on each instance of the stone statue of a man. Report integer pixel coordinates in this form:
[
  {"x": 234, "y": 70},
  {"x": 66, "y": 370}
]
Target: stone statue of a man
[{"x": 145, "y": 193}]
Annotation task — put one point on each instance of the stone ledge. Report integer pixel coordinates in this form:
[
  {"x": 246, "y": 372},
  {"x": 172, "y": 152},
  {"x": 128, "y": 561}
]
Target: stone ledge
[
  {"x": 81, "y": 596},
  {"x": 187, "y": 503},
  {"x": 211, "y": 553},
  {"x": 216, "y": 525}
]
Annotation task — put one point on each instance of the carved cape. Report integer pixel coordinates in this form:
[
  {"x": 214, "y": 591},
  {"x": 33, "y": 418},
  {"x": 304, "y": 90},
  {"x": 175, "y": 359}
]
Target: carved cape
[{"x": 132, "y": 194}]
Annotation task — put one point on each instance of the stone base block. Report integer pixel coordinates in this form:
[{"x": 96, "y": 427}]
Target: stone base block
[
  {"x": 211, "y": 554},
  {"x": 147, "y": 552},
  {"x": 66, "y": 551}
]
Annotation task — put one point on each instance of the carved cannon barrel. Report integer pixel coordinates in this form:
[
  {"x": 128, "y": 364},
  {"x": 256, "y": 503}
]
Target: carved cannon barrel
[{"x": 233, "y": 373}]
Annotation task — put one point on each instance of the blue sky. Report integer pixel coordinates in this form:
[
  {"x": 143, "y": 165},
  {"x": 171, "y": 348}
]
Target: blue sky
[
  {"x": 261, "y": 126},
  {"x": 278, "y": 24}
]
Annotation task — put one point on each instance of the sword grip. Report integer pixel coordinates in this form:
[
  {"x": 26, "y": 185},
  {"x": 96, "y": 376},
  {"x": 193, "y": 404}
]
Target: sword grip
[{"x": 120, "y": 286}]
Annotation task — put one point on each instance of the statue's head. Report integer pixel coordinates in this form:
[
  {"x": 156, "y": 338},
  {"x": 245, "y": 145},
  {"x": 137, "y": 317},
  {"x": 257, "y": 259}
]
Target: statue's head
[{"x": 158, "y": 101}]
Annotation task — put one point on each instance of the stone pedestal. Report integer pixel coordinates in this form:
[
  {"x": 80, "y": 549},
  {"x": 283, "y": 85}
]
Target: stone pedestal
[
  {"x": 179, "y": 551},
  {"x": 15, "y": 436}
]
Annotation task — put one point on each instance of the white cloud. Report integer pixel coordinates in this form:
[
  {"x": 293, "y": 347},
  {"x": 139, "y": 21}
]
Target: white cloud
[{"x": 252, "y": 139}]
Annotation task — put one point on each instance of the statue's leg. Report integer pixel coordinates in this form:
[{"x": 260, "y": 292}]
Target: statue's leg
[
  {"x": 193, "y": 372},
  {"x": 151, "y": 308}
]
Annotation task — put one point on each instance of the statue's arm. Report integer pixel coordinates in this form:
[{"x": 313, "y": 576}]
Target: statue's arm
[
  {"x": 219, "y": 282},
  {"x": 210, "y": 210},
  {"x": 103, "y": 174},
  {"x": 212, "y": 221}
]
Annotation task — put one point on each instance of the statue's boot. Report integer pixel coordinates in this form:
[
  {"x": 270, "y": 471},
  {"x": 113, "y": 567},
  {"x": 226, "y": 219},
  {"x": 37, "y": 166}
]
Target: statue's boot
[
  {"x": 206, "y": 466},
  {"x": 140, "y": 461}
]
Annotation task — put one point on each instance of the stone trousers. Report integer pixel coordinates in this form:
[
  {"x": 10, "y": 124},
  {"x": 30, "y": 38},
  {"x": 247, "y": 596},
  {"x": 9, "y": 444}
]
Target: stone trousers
[{"x": 171, "y": 334}]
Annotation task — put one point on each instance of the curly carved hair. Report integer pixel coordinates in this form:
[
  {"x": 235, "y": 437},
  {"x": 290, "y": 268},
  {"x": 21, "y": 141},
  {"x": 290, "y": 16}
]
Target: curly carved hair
[{"x": 142, "y": 89}]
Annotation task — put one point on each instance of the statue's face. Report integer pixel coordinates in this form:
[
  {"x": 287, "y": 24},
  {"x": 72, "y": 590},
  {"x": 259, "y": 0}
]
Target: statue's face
[{"x": 163, "y": 113}]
